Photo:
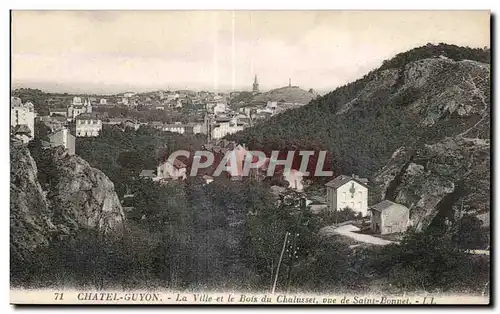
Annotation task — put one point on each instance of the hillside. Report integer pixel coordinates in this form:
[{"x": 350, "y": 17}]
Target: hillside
[
  {"x": 419, "y": 99},
  {"x": 290, "y": 94}
]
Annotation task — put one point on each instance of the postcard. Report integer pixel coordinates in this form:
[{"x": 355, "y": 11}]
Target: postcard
[{"x": 250, "y": 157}]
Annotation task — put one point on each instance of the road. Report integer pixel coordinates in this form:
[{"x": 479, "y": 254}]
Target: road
[{"x": 348, "y": 231}]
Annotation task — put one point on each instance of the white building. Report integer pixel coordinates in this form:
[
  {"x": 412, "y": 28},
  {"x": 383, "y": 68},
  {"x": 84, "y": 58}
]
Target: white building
[
  {"x": 174, "y": 96},
  {"x": 23, "y": 114},
  {"x": 63, "y": 138},
  {"x": 198, "y": 128},
  {"x": 348, "y": 191},
  {"x": 168, "y": 170},
  {"x": 223, "y": 127},
  {"x": 88, "y": 125},
  {"x": 103, "y": 101},
  {"x": 272, "y": 105},
  {"x": 77, "y": 108},
  {"x": 175, "y": 128},
  {"x": 220, "y": 108}
]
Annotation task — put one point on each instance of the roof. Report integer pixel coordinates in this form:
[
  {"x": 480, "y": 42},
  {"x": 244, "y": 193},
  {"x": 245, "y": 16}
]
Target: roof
[
  {"x": 91, "y": 115},
  {"x": 177, "y": 163},
  {"x": 385, "y": 204},
  {"x": 58, "y": 118},
  {"x": 276, "y": 189},
  {"x": 117, "y": 120},
  {"x": 343, "y": 179},
  {"x": 147, "y": 173},
  {"x": 22, "y": 129},
  {"x": 60, "y": 131}
]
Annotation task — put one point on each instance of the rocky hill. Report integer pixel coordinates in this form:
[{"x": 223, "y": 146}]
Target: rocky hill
[
  {"x": 73, "y": 196},
  {"x": 418, "y": 127}
]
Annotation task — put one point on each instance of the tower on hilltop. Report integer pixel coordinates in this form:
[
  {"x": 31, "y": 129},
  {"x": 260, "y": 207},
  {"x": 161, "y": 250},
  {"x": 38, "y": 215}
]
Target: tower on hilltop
[{"x": 255, "y": 88}]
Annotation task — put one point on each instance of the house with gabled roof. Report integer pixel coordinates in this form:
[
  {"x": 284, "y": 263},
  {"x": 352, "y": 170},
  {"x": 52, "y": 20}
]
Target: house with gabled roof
[{"x": 348, "y": 192}]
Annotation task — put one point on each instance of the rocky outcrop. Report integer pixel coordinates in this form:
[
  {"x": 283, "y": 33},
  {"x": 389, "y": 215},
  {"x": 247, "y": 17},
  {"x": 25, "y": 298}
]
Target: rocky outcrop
[
  {"x": 83, "y": 196},
  {"x": 77, "y": 197},
  {"x": 447, "y": 168},
  {"x": 451, "y": 176},
  {"x": 30, "y": 217}
]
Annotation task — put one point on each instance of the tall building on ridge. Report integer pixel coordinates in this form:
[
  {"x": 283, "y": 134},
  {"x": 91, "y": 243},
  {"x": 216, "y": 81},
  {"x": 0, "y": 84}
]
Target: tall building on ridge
[{"x": 255, "y": 85}]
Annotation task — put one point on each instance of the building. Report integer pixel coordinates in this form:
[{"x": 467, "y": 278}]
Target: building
[
  {"x": 389, "y": 217},
  {"x": 54, "y": 123},
  {"x": 169, "y": 170},
  {"x": 173, "y": 96},
  {"x": 103, "y": 102},
  {"x": 147, "y": 174},
  {"x": 208, "y": 179},
  {"x": 225, "y": 126},
  {"x": 88, "y": 125},
  {"x": 272, "y": 105},
  {"x": 77, "y": 107},
  {"x": 198, "y": 128},
  {"x": 294, "y": 179},
  {"x": 61, "y": 111},
  {"x": 22, "y": 114},
  {"x": 131, "y": 124},
  {"x": 63, "y": 138},
  {"x": 175, "y": 128},
  {"x": 348, "y": 192},
  {"x": 22, "y": 132},
  {"x": 219, "y": 108},
  {"x": 255, "y": 87}
]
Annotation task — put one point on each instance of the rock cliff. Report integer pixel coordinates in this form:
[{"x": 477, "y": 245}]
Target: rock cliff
[
  {"x": 74, "y": 196},
  {"x": 445, "y": 171}
]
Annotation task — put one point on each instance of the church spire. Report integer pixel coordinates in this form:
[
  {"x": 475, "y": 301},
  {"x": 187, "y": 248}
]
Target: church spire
[{"x": 255, "y": 85}]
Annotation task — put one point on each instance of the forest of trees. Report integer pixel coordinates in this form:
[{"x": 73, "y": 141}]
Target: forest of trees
[{"x": 228, "y": 235}]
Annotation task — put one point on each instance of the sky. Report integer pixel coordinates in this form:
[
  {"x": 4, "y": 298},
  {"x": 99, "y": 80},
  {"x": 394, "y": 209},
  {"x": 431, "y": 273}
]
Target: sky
[{"x": 117, "y": 51}]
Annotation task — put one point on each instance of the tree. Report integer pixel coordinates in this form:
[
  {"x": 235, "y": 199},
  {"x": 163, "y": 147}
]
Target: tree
[{"x": 469, "y": 234}]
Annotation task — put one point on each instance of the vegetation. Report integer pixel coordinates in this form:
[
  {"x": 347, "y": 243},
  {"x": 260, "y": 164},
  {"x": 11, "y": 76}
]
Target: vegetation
[
  {"x": 122, "y": 155},
  {"x": 431, "y": 261},
  {"x": 228, "y": 235},
  {"x": 361, "y": 140}
]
